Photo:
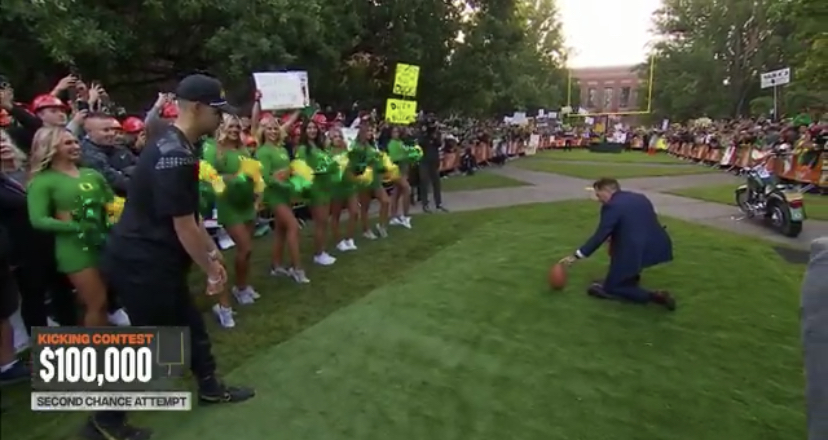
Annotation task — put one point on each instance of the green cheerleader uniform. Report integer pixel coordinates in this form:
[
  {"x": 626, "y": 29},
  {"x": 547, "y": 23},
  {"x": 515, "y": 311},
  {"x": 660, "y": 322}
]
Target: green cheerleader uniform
[
  {"x": 320, "y": 191},
  {"x": 274, "y": 159},
  {"x": 372, "y": 161},
  {"x": 398, "y": 155},
  {"x": 237, "y": 204},
  {"x": 347, "y": 187},
  {"x": 50, "y": 192}
]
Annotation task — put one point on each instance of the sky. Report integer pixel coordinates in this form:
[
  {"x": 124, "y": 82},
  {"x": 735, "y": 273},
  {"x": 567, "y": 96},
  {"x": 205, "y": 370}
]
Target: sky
[{"x": 607, "y": 32}]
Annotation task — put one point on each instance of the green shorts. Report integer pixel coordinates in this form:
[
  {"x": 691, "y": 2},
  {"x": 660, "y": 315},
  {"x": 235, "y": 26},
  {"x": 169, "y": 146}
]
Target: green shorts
[{"x": 230, "y": 214}]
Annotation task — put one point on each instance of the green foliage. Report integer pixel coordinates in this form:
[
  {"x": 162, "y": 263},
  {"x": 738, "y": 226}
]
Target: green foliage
[
  {"x": 710, "y": 54},
  {"x": 478, "y": 57}
]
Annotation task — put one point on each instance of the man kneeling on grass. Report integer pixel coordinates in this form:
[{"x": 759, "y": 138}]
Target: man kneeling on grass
[{"x": 638, "y": 242}]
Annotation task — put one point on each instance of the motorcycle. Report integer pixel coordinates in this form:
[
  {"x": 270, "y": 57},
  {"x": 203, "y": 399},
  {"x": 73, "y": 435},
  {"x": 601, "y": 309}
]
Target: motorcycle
[{"x": 781, "y": 206}]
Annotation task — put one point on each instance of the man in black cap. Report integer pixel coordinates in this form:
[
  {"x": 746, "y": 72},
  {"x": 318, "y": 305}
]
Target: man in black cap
[{"x": 159, "y": 236}]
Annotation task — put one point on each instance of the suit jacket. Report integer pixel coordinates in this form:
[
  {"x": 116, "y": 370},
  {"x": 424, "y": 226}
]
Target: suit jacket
[
  {"x": 638, "y": 239},
  {"x": 815, "y": 339}
]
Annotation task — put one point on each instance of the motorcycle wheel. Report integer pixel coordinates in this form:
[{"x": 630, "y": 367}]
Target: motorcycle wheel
[
  {"x": 741, "y": 195},
  {"x": 779, "y": 218}
]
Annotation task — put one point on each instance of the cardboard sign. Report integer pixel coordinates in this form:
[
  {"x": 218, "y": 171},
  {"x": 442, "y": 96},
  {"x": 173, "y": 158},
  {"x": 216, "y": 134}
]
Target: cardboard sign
[
  {"x": 406, "y": 78},
  {"x": 281, "y": 90}
]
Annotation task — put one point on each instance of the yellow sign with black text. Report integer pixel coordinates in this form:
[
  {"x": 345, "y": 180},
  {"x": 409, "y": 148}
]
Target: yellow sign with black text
[
  {"x": 400, "y": 111},
  {"x": 406, "y": 78}
]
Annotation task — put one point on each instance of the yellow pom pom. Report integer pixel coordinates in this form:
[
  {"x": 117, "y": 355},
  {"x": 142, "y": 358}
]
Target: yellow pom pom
[
  {"x": 299, "y": 167},
  {"x": 367, "y": 177},
  {"x": 392, "y": 173},
  {"x": 115, "y": 208},
  {"x": 206, "y": 173},
  {"x": 252, "y": 168}
]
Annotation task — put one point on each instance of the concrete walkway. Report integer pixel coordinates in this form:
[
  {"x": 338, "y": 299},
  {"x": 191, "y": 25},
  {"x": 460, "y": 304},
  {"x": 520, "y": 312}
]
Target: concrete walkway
[{"x": 548, "y": 187}]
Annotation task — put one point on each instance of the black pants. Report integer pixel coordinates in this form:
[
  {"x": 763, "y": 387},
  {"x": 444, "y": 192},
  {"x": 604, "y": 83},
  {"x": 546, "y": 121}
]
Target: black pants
[
  {"x": 37, "y": 280},
  {"x": 8, "y": 292},
  {"x": 152, "y": 298},
  {"x": 430, "y": 177}
]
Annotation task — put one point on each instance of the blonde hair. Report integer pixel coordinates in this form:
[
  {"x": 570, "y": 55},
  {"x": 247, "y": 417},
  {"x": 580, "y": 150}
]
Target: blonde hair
[
  {"x": 19, "y": 157},
  {"x": 262, "y": 127},
  {"x": 221, "y": 133},
  {"x": 44, "y": 146}
]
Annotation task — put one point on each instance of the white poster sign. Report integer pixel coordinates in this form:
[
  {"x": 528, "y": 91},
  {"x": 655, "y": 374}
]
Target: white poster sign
[
  {"x": 280, "y": 90},
  {"x": 303, "y": 80},
  {"x": 532, "y": 147},
  {"x": 775, "y": 78},
  {"x": 349, "y": 134}
]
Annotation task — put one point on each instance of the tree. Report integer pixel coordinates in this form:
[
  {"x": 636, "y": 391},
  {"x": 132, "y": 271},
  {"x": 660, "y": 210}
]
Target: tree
[
  {"x": 710, "y": 53},
  {"x": 479, "y": 56}
]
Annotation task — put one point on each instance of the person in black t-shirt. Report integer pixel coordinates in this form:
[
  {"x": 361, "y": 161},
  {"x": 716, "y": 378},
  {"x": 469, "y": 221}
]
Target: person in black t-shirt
[{"x": 158, "y": 237}]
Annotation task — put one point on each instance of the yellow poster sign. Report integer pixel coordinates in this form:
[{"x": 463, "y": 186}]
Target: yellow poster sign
[
  {"x": 405, "y": 80},
  {"x": 399, "y": 111}
]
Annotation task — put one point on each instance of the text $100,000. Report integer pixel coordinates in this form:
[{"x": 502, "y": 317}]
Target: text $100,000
[{"x": 80, "y": 364}]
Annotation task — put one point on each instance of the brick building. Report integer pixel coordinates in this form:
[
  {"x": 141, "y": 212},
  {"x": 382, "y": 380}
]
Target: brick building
[{"x": 608, "y": 89}]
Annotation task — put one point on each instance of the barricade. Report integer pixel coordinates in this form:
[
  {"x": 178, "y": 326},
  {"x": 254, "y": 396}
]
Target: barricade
[{"x": 807, "y": 167}]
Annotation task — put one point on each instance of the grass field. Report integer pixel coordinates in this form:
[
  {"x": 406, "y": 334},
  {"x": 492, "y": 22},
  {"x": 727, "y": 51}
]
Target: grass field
[
  {"x": 617, "y": 170},
  {"x": 480, "y": 180},
  {"x": 816, "y": 206},
  {"x": 449, "y": 331},
  {"x": 625, "y": 157}
]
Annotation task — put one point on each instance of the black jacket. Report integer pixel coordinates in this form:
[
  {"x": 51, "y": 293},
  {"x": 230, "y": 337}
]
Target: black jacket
[{"x": 23, "y": 243}]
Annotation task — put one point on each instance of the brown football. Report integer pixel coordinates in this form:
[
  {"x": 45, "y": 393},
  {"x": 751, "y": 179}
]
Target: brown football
[{"x": 557, "y": 276}]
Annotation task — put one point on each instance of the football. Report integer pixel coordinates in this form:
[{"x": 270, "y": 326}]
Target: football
[{"x": 557, "y": 276}]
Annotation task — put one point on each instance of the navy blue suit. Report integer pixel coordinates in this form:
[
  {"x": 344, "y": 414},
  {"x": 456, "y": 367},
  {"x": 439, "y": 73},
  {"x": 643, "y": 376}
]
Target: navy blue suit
[{"x": 638, "y": 242}]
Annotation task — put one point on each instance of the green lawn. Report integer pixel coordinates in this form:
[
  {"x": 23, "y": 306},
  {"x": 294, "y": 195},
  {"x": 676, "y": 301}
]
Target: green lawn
[
  {"x": 624, "y": 157},
  {"x": 480, "y": 180},
  {"x": 816, "y": 206},
  {"x": 449, "y": 331},
  {"x": 617, "y": 170}
]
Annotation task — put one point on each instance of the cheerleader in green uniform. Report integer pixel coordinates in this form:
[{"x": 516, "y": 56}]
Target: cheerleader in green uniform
[
  {"x": 402, "y": 189},
  {"x": 70, "y": 202},
  {"x": 236, "y": 209},
  {"x": 343, "y": 197},
  {"x": 275, "y": 157},
  {"x": 312, "y": 150},
  {"x": 365, "y": 142}
]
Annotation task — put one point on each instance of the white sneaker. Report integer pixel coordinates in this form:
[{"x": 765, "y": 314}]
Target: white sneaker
[
  {"x": 279, "y": 271},
  {"x": 397, "y": 221},
  {"x": 406, "y": 222},
  {"x": 369, "y": 234},
  {"x": 324, "y": 259},
  {"x": 299, "y": 276},
  {"x": 343, "y": 246},
  {"x": 253, "y": 294},
  {"x": 351, "y": 245},
  {"x": 243, "y": 296},
  {"x": 224, "y": 316},
  {"x": 383, "y": 233},
  {"x": 119, "y": 318}
]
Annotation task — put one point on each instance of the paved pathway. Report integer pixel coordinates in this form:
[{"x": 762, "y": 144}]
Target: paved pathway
[
  {"x": 548, "y": 187},
  {"x": 620, "y": 164}
]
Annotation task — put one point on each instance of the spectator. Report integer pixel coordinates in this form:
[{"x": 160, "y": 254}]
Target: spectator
[
  {"x": 429, "y": 168},
  {"x": 101, "y": 152}
]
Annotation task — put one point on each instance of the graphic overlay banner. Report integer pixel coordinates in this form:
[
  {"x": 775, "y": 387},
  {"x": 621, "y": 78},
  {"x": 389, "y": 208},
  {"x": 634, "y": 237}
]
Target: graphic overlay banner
[
  {"x": 108, "y": 359},
  {"x": 399, "y": 111},
  {"x": 76, "y": 368},
  {"x": 406, "y": 78}
]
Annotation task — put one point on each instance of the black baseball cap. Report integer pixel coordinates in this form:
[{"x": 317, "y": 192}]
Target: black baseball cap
[{"x": 205, "y": 90}]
